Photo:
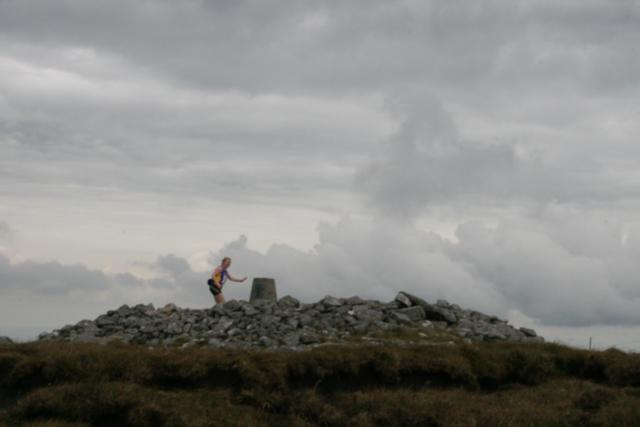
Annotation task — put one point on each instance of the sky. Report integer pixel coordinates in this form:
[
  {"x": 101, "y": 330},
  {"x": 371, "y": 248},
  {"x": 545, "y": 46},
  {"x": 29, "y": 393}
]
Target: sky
[{"x": 480, "y": 152}]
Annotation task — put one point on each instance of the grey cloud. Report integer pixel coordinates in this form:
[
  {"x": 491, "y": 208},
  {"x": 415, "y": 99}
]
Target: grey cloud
[
  {"x": 5, "y": 231},
  {"x": 427, "y": 162},
  {"x": 173, "y": 264},
  {"x": 328, "y": 45},
  {"x": 50, "y": 277}
]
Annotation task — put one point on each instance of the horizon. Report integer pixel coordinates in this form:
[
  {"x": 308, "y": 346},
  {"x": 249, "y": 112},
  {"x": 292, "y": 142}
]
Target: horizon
[{"x": 484, "y": 154}]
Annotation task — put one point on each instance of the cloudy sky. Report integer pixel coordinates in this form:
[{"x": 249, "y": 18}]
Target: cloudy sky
[{"x": 482, "y": 152}]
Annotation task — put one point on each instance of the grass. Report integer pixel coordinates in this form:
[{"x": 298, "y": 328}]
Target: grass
[{"x": 478, "y": 384}]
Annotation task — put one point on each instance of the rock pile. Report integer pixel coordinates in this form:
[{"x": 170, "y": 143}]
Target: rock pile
[{"x": 286, "y": 323}]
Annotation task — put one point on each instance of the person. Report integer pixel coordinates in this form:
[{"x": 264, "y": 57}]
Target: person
[{"x": 219, "y": 277}]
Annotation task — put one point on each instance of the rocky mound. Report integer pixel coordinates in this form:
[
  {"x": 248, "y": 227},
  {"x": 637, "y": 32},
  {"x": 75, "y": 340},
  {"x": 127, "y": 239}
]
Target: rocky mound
[{"x": 288, "y": 323}]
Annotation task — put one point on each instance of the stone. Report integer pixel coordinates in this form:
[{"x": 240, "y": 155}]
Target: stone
[
  {"x": 528, "y": 332},
  {"x": 291, "y": 339},
  {"x": 125, "y": 311},
  {"x": 169, "y": 308},
  {"x": 400, "y": 317},
  {"x": 403, "y": 299},
  {"x": 249, "y": 310},
  {"x": 105, "y": 321},
  {"x": 369, "y": 315},
  {"x": 5, "y": 340},
  {"x": 217, "y": 310},
  {"x": 309, "y": 338},
  {"x": 232, "y": 305},
  {"x": 355, "y": 300},
  {"x": 265, "y": 342},
  {"x": 234, "y": 332},
  {"x": 288, "y": 302},
  {"x": 415, "y": 313},
  {"x": 330, "y": 301},
  {"x": 443, "y": 303},
  {"x": 174, "y": 328},
  {"x": 416, "y": 300}
]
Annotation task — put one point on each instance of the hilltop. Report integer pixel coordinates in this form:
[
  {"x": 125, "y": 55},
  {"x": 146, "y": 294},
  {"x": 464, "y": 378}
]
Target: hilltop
[
  {"x": 289, "y": 324},
  {"x": 271, "y": 363}
]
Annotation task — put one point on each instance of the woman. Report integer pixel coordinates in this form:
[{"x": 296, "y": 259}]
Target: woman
[{"x": 218, "y": 277}]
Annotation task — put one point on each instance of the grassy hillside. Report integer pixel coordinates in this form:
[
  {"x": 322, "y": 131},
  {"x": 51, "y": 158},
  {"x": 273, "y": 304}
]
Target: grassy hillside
[{"x": 486, "y": 384}]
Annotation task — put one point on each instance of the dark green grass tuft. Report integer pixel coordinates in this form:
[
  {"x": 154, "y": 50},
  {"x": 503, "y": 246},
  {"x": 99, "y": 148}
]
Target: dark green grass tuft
[{"x": 484, "y": 384}]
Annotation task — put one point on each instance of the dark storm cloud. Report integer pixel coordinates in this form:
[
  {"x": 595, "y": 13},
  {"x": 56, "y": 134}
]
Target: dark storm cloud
[{"x": 334, "y": 45}]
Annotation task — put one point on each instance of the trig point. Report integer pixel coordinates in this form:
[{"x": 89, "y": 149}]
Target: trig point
[{"x": 263, "y": 288}]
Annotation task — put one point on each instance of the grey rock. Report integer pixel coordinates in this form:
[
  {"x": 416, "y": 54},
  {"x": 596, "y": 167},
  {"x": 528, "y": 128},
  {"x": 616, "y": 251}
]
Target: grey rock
[
  {"x": 403, "y": 299},
  {"x": 288, "y": 301},
  {"x": 368, "y": 315},
  {"x": 217, "y": 310},
  {"x": 306, "y": 320},
  {"x": 291, "y": 339},
  {"x": 232, "y": 305},
  {"x": 105, "y": 320},
  {"x": 265, "y": 342},
  {"x": 169, "y": 308},
  {"x": 174, "y": 328},
  {"x": 234, "y": 332},
  {"x": 355, "y": 300},
  {"x": 427, "y": 324},
  {"x": 445, "y": 314},
  {"x": 415, "y": 313},
  {"x": 528, "y": 332},
  {"x": 330, "y": 301},
  {"x": 309, "y": 338},
  {"x": 400, "y": 317},
  {"x": 249, "y": 310}
]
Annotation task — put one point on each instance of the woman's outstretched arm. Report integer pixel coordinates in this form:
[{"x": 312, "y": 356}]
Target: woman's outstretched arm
[{"x": 234, "y": 279}]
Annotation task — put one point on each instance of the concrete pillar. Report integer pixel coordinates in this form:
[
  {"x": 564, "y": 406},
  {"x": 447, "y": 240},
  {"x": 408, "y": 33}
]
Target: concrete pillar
[{"x": 263, "y": 288}]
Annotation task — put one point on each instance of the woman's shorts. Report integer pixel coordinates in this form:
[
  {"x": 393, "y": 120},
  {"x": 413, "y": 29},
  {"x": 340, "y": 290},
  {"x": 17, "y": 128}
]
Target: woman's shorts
[{"x": 213, "y": 289}]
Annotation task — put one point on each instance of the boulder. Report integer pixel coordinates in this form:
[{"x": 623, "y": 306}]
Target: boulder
[
  {"x": 288, "y": 302},
  {"x": 169, "y": 308},
  {"x": 330, "y": 302},
  {"x": 309, "y": 337},
  {"x": 415, "y": 313},
  {"x": 403, "y": 299},
  {"x": 528, "y": 332},
  {"x": 355, "y": 300},
  {"x": 231, "y": 305},
  {"x": 400, "y": 317}
]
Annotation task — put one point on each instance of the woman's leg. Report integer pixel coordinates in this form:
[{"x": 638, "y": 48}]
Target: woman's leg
[{"x": 219, "y": 298}]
